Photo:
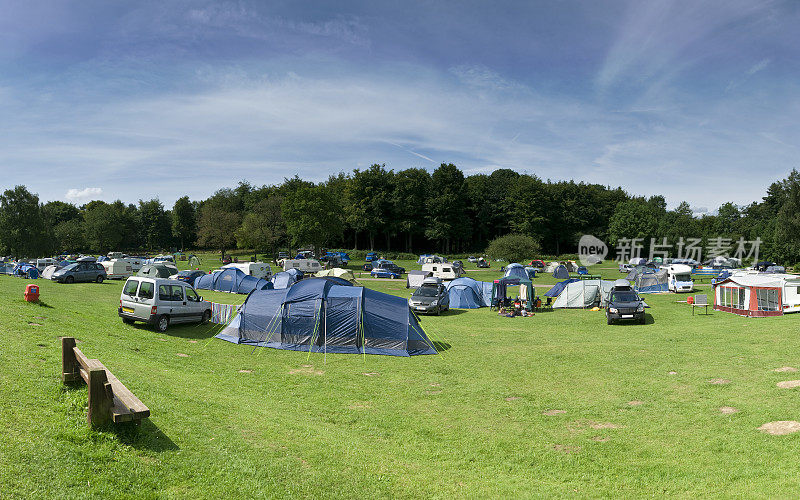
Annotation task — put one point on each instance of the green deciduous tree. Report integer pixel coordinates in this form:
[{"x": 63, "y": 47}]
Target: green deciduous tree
[
  {"x": 513, "y": 248},
  {"x": 312, "y": 216},
  {"x": 263, "y": 228},
  {"x": 184, "y": 221},
  {"x": 22, "y": 225}
]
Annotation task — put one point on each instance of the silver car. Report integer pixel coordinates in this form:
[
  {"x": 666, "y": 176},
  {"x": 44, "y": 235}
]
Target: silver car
[{"x": 161, "y": 302}]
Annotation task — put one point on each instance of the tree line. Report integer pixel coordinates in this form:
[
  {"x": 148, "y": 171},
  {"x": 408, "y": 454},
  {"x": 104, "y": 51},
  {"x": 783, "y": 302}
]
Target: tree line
[{"x": 410, "y": 210}]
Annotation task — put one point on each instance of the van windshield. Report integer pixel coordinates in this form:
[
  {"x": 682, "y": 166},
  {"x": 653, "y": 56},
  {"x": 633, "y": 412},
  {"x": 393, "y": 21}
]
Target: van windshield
[
  {"x": 683, "y": 277},
  {"x": 626, "y": 296}
]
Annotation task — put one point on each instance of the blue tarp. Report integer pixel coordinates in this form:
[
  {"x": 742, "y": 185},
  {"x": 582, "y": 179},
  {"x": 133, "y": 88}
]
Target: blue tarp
[
  {"x": 319, "y": 316},
  {"x": 467, "y": 293},
  {"x": 285, "y": 279},
  {"x": 561, "y": 272},
  {"x": 515, "y": 271},
  {"x": 231, "y": 280},
  {"x": 559, "y": 287}
]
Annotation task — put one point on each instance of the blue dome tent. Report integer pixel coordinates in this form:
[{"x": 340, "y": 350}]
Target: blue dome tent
[
  {"x": 515, "y": 271},
  {"x": 317, "y": 315},
  {"x": 467, "y": 293},
  {"x": 231, "y": 280},
  {"x": 26, "y": 270},
  {"x": 561, "y": 272},
  {"x": 285, "y": 279}
]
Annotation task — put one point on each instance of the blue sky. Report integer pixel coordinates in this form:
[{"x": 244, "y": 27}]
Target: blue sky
[{"x": 698, "y": 101}]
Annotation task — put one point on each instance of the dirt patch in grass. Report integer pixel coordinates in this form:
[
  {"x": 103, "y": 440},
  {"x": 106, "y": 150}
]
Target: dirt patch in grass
[
  {"x": 306, "y": 370},
  {"x": 599, "y": 439},
  {"x": 719, "y": 381},
  {"x": 245, "y": 371},
  {"x": 783, "y": 369},
  {"x": 192, "y": 341},
  {"x": 635, "y": 402},
  {"x": 788, "y": 384},
  {"x": 566, "y": 448},
  {"x": 360, "y": 405},
  {"x": 583, "y": 425},
  {"x": 603, "y": 425},
  {"x": 672, "y": 373},
  {"x": 372, "y": 374},
  {"x": 513, "y": 398},
  {"x": 183, "y": 355},
  {"x": 780, "y": 427},
  {"x": 551, "y": 413},
  {"x": 31, "y": 323},
  {"x": 435, "y": 384},
  {"x": 433, "y": 392},
  {"x": 163, "y": 340},
  {"x": 727, "y": 410}
]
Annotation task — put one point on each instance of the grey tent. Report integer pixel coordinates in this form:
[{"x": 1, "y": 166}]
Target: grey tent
[
  {"x": 157, "y": 271},
  {"x": 651, "y": 282},
  {"x": 581, "y": 294},
  {"x": 414, "y": 278}
]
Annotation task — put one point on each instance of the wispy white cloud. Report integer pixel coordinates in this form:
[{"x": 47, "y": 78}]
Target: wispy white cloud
[{"x": 82, "y": 195}]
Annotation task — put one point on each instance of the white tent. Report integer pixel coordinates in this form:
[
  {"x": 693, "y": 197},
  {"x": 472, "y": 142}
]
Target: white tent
[
  {"x": 584, "y": 293},
  {"x": 414, "y": 278},
  {"x": 551, "y": 267}
]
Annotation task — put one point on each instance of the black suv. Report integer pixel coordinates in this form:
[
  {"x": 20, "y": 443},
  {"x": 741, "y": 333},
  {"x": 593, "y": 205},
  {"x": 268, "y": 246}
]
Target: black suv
[{"x": 624, "y": 304}]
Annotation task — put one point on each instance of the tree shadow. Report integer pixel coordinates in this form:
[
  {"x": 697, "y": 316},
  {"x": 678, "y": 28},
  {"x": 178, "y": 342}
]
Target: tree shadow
[{"x": 146, "y": 436}]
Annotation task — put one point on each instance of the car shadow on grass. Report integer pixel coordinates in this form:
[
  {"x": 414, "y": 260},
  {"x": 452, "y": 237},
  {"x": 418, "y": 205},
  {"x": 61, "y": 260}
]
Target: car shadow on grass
[
  {"x": 146, "y": 436},
  {"x": 648, "y": 320},
  {"x": 184, "y": 331}
]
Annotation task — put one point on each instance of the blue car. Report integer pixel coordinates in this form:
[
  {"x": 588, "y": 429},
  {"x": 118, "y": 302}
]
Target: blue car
[
  {"x": 384, "y": 273},
  {"x": 372, "y": 256}
]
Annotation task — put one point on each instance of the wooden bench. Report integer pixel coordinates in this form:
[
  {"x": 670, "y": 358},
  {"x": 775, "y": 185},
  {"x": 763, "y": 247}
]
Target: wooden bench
[{"x": 109, "y": 400}]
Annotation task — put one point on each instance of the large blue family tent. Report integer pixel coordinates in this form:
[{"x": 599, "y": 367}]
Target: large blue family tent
[
  {"x": 317, "y": 315},
  {"x": 285, "y": 279},
  {"x": 561, "y": 272},
  {"x": 467, "y": 293},
  {"x": 231, "y": 280},
  {"x": 559, "y": 287}
]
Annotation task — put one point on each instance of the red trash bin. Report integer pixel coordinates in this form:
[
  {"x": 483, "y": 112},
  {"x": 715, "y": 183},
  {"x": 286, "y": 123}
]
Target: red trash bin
[{"x": 32, "y": 293}]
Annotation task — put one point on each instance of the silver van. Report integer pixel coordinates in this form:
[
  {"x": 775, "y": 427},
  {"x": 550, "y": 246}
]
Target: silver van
[{"x": 161, "y": 302}]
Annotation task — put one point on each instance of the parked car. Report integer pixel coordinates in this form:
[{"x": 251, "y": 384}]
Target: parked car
[
  {"x": 431, "y": 297},
  {"x": 372, "y": 256},
  {"x": 161, "y": 302},
  {"x": 384, "y": 273},
  {"x": 483, "y": 263},
  {"x": 187, "y": 276},
  {"x": 367, "y": 266},
  {"x": 388, "y": 264},
  {"x": 81, "y": 271},
  {"x": 624, "y": 304},
  {"x": 537, "y": 263},
  {"x": 472, "y": 259}
]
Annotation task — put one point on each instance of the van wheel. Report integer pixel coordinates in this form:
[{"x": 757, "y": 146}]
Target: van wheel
[
  {"x": 99, "y": 278},
  {"x": 163, "y": 323},
  {"x": 206, "y": 317},
  {"x": 69, "y": 279}
]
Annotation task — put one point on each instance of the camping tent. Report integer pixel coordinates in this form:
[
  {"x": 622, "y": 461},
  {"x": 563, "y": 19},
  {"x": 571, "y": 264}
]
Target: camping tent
[
  {"x": 285, "y": 279},
  {"x": 551, "y": 267},
  {"x": 531, "y": 272},
  {"x": 157, "y": 271},
  {"x": 500, "y": 290},
  {"x": 651, "y": 282},
  {"x": 515, "y": 271},
  {"x": 414, "y": 278},
  {"x": 571, "y": 266},
  {"x": 467, "y": 293},
  {"x": 231, "y": 280},
  {"x": 26, "y": 270},
  {"x": 48, "y": 271},
  {"x": 580, "y": 293},
  {"x": 754, "y": 295},
  {"x": 337, "y": 272},
  {"x": 194, "y": 262},
  {"x": 317, "y": 315},
  {"x": 561, "y": 272},
  {"x": 637, "y": 261},
  {"x": 430, "y": 258}
]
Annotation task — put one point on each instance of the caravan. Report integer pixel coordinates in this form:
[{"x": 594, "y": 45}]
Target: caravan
[
  {"x": 118, "y": 269},
  {"x": 304, "y": 265},
  {"x": 443, "y": 271},
  {"x": 255, "y": 269}
]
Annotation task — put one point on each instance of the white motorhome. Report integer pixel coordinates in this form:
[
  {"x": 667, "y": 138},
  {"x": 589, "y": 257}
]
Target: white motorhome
[
  {"x": 255, "y": 269},
  {"x": 305, "y": 265},
  {"x": 679, "y": 278},
  {"x": 443, "y": 271},
  {"x": 118, "y": 269}
]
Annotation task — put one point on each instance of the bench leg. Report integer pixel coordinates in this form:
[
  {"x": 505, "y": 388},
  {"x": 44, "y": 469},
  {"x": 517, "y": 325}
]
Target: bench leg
[
  {"x": 69, "y": 364},
  {"x": 99, "y": 402}
]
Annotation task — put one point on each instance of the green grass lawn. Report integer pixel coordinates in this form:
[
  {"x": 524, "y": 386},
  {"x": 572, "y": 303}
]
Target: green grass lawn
[{"x": 476, "y": 420}]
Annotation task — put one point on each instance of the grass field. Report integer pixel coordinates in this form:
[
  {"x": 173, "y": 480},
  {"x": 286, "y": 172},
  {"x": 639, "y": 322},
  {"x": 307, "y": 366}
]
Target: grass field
[{"x": 555, "y": 405}]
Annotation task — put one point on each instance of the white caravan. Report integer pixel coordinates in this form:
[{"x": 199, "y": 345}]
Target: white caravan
[
  {"x": 305, "y": 265},
  {"x": 41, "y": 264},
  {"x": 255, "y": 269},
  {"x": 443, "y": 271},
  {"x": 679, "y": 278},
  {"x": 118, "y": 269}
]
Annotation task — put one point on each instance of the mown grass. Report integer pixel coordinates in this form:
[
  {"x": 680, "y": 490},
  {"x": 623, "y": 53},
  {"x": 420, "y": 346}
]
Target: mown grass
[{"x": 231, "y": 421}]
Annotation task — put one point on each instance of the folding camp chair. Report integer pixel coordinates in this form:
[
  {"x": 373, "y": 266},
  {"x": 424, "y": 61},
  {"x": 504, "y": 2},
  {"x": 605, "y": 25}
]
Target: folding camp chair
[{"x": 700, "y": 301}]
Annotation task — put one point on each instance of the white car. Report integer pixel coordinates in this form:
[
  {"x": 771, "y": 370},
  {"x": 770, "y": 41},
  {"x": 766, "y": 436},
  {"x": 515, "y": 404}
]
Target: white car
[{"x": 161, "y": 302}]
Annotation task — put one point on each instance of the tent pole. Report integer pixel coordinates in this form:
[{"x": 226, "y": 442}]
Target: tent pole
[{"x": 325, "y": 335}]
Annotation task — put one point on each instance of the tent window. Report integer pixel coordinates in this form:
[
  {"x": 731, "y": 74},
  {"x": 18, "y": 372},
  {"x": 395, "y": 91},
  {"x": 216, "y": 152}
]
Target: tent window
[{"x": 767, "y": 299}]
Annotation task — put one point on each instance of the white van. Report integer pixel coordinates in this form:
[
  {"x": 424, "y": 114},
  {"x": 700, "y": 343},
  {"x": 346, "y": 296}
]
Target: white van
[
  {"x": 117, "y": 269},
  {"x": 255, "y": 269},
  {"x": 443, "y": 270},
  {"x": 161, "y": 302},
  {"x": 679, "y": 278},
  {"x": 305, "y": 265}
]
